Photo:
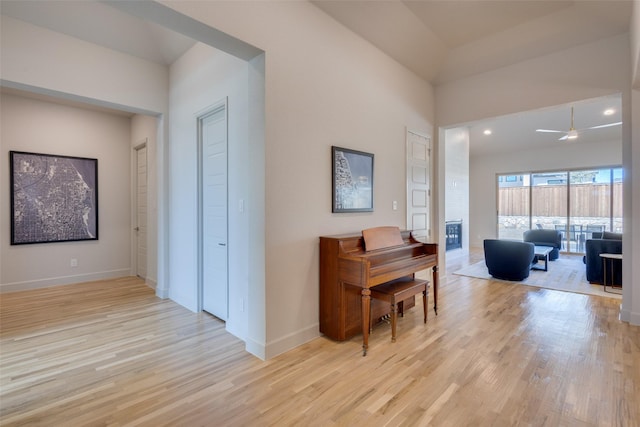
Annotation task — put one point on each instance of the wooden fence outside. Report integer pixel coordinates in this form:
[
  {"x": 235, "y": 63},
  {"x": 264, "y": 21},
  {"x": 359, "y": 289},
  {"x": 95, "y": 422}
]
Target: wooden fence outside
[{"x": 587, "y": 200}]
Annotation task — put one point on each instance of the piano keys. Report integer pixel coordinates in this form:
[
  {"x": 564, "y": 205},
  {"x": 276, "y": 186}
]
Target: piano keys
[{"x": 348, "y": 270}]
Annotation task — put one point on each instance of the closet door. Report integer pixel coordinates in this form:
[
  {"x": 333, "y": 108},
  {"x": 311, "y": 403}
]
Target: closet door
[{"x": 214, "y": 265}]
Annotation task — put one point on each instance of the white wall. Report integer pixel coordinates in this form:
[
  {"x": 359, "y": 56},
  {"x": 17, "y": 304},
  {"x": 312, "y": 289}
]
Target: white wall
[
  {"x": 257, "y": 234},
  {"x": 635, "y": 43},
  {"x": 48, "y": 61},
  {"x": 324, "y": 86},
  {"x": 43, "y": 127},
  {"x": 630, "y": 310},
  {"x": 583, "y": 72},
  {"x": 200, "y": 79},
  {"x": 457, "y": 179}
]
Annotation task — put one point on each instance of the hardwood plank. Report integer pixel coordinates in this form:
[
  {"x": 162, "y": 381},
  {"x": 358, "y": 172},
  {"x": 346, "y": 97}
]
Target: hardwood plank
[{"x": 111, "y": 353}]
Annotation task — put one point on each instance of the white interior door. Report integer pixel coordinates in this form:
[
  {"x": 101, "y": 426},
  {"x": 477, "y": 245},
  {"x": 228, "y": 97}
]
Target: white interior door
[
  {"x": 141, "y": 211},
  {"x": 418, "y": 184},
  {"x": 213, "y": 133}
]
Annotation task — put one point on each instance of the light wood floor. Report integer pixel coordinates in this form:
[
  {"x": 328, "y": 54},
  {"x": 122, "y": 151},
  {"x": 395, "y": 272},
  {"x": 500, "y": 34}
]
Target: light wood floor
[{"x": 111, "y": 353}]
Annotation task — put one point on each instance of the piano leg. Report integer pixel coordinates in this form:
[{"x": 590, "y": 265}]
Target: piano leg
[
  {"x": 425, "y": 309},
  {"x": 366, "y": 319},
  {"x": 435, "y": 289}
]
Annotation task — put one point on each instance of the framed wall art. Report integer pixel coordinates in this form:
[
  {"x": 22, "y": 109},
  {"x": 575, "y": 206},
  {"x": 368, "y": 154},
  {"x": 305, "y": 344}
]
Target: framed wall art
[
  {"x": 53, "y": 198},
  {"x": 352, "y": 177}
]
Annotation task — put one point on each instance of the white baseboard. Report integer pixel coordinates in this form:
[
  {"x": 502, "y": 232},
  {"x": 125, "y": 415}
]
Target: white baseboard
[
  {"x": 161, "y": 292},
  {"x": 630, "y": 317},
  {"x": 62, "y": 280},
  {"x": 151, "y": 283},
  {"x": 282, "y": 345},
  {"x": 292, "y": 340},
  {"x": 255, "y": 348}
]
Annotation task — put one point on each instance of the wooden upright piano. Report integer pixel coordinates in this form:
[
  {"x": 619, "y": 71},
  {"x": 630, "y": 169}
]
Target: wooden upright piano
[{"x": 348, "y": 270}]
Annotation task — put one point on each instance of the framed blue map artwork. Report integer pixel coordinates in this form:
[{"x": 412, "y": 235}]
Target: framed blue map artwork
[{"x": 53, "y": 198}]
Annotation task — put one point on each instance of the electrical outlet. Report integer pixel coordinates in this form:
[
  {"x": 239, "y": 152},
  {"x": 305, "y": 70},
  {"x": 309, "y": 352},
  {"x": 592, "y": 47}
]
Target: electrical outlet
[
  {"x": 395, "y": 205},
  {"x": 74, "y": 262}
]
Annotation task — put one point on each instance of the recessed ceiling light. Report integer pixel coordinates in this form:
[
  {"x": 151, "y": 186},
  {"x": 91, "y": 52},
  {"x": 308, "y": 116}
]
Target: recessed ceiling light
[
  {"x": 609, "y": 111},
  {"x": 487, "y": 132}
]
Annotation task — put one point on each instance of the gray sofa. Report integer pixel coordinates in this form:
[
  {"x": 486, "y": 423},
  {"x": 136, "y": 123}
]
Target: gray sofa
[
  {"x": 544, "y": 237},
  {"x": 605, "y": 242}
]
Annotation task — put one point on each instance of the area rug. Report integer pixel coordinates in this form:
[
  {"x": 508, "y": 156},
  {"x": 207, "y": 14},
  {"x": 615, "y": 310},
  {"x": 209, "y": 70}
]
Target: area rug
[{"x": 567, "y": 273}]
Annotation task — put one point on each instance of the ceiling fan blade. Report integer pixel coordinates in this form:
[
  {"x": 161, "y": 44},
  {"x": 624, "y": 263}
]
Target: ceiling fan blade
[
  {"x": 605, "y": 126},
  {"x": 549, "y": 130},
  {"x": 563, "y": 138}
]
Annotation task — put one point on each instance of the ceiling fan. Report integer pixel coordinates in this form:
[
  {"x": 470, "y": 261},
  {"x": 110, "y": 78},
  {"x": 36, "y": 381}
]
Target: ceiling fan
[{"x": 572, "y": 133}]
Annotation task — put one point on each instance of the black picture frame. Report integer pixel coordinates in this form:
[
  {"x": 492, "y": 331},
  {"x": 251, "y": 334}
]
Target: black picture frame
[
  {"x": 54, "y": 198},
  {"x": 352, "y": 180}
]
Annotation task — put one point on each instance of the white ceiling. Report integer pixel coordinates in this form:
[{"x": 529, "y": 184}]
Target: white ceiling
[
  {"x": 518, "y": 131},
  {"x": 439, "y": 40},
  {"x": 444, "y": 40}
]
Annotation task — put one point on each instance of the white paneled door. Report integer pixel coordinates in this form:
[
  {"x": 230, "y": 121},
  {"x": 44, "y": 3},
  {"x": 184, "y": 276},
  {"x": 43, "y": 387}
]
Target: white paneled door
[
  {"x": 418, "y": 184},
  {"x": 213, "y": 139}
]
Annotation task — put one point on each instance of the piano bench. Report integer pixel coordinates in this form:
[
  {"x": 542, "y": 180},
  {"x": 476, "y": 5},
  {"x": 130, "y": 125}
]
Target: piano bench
[{"x": 395, "y": 291}]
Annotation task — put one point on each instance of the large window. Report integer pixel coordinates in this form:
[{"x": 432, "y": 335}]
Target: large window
[
  {"x": 578, "y": 203},
  {"x": 513, "y": 206}
]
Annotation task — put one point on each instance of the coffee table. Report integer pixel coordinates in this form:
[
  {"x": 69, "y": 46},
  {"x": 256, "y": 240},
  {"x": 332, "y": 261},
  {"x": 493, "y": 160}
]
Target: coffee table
[{"x": 542, "y": 253}]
